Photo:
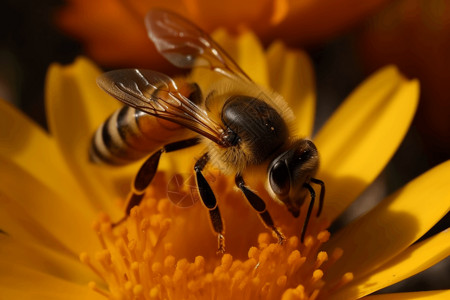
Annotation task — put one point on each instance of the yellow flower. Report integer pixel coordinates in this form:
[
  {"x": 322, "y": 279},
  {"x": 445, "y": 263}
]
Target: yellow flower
[
  {"x": 113, "y": 34},
  {"x": 50, "y": 195}
]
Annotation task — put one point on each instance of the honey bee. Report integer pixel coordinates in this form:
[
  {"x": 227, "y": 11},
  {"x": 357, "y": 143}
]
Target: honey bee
[{"x": 242, "y": 125}]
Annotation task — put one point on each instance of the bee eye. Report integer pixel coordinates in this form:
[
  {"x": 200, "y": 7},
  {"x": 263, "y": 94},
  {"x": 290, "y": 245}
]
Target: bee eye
[
  {"x": 304, "y": 156},
  {"x": 279, "y": 179}
]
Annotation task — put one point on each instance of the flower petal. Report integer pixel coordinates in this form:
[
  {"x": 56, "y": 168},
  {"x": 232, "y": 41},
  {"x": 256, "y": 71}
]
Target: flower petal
[
  {"x": 24, "y": 283},
  {"x": 247, "y": 52},
  {"x": 392, "y": 225},
  {"x": 29, "y": 147},
  {"x": 291, "y": 75},
  {"x": 75, "y": 108},
  {"x": 413, "y": 260},
  {"x": 113, "y": 31},
  {"x": 363, "y": 134},
  {"x": 312, "y": 22},
  {"x": 113, "y": 34},
  {"x": 428, "y": 295},
  {"x": 38, "y": 214},
  {"x": 36, "y": 257}
]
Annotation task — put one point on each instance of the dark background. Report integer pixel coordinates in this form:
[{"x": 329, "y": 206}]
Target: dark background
[{"x": 29, "y": 42}]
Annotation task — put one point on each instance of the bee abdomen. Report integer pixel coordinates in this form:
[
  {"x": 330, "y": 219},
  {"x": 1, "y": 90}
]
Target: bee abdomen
[{"x": 129, "y": 135}]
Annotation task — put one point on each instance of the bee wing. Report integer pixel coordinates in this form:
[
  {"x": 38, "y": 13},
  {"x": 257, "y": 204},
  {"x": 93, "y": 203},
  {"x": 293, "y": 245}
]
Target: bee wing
[
  {"x": 186, "y": 46},
  {"x": 158, "y": 95}
]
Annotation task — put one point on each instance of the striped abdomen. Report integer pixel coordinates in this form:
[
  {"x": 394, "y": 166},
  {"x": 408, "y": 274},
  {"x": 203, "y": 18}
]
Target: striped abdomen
[{"x": 130, "y": 134}]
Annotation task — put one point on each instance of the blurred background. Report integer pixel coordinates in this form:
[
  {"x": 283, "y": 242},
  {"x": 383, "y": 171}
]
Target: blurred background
[{"x": 346, "y": 40}]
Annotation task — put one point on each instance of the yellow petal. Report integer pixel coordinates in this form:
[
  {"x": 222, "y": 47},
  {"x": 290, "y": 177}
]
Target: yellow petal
[
  {"x": 247, "y": 52},
  {"x": 393, "y": 225},
  {"x": 75, "y": 108},
  {"x": 413, "y": 260},
  {"x": 31, "y": 212},
  {"x": 36, "y": 257},
  {"x": 363, "y": 134},
  {"x": 25, "y": 144},
  {"x": 428, "y": 295},
  {"x": 23, "y": 283},
  {"x": 291, "y": 75}
]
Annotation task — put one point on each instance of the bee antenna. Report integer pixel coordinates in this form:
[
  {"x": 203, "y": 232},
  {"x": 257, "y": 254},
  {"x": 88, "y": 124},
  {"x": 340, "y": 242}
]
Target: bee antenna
[
  {"x": 322, "y": 193},
  {"x": 308, "y": 214}
]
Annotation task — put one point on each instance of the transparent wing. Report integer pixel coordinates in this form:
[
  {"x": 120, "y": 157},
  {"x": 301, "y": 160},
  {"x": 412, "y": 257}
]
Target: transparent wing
[
  {"x": 186, "y": 46},
  {"x": 158, "y": 95}
]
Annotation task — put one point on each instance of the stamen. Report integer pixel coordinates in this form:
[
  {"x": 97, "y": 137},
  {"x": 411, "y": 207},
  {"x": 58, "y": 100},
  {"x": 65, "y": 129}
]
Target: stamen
[
  {"x": 253, "y": 252},
  {"x": 316, "y": 276},
  {"x": 177, "y": 277},
  {"x": 264, "y": 240},
  {"x": 292, "y": 243},
  {"x": 155, "y": 292},
  {"x": 131, "y": 250},
  {"x": 294, "y": 294},
  {"x": 84, "y": 258},
  {"x": 345, "y": 279},
  {"x": 309, "y": 242},
  {"x": 337, "y": 253},
  {"x": 182, "y": 265},
  {"x": 295, "y": 260},
  {"x": 96, "y": 227},
  {"x": 199, "y": 263},
  {"x": 281, "y": 281},
  {"x": 138, "y": 290},
  {"x": 104, "y": 258},
  {"x": 129, "y": 289},
  {"x": 314, "y": 295},
  {"x": 169, "y": 263},
  {"x": 157, "y": 268},
  {"x": 321, "y": 258},
  {"x": 93, "y": 286},
  {"x": 123, "y": 234},
  {"x": 227, "y": 259},
  {"x": 135, "y": 271},
  {"x": 323, "y": 236},
  {"x": 137, "y": 262}
]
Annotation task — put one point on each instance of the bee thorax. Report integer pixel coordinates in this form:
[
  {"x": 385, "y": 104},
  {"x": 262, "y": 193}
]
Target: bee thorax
[{"x": 254, "y": 126}]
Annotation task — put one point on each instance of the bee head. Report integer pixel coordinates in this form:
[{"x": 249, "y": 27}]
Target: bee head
[{"x": 288, "y": 173}]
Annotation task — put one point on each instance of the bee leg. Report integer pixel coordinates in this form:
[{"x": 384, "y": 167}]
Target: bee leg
[
  {"x": 148, "y": 170},
  {"x": 310, "y": 208},
  {"x": 258, "y": 204},
  {"x": 209, "y": 200},
  {"x": 322, "y": 193},
  {"x": 143, "y": 179}
]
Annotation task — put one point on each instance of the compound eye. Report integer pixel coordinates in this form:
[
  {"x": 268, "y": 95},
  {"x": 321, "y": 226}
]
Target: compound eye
[{"x": 279, "y": 179}]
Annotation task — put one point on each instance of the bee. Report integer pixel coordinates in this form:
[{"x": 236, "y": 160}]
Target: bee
[{"x": 242, "y": 125}]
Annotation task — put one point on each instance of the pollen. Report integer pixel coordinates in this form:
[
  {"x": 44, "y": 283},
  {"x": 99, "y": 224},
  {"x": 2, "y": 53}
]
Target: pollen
[{"x": 137, "y": 261}]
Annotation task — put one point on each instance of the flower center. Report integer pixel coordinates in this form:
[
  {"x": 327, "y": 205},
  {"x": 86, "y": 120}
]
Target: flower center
[{"x": 139, "y": 261}]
